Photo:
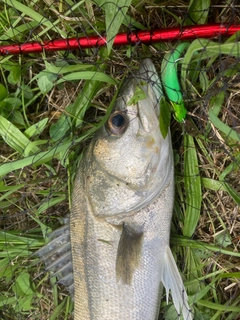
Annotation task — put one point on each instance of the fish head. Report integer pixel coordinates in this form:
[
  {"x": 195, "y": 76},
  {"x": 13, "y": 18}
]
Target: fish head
[{"x": 131, "y": 161}]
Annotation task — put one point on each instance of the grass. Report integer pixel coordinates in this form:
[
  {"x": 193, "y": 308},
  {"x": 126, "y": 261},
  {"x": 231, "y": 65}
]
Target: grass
[{"x": 52, "y": 103}]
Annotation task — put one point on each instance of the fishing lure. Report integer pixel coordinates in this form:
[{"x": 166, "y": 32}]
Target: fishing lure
[{"x": 170, "y": 81}]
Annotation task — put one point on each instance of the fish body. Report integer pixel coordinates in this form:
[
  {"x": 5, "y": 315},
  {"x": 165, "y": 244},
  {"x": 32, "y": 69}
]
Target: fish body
[{"x": 121, "y": 212}]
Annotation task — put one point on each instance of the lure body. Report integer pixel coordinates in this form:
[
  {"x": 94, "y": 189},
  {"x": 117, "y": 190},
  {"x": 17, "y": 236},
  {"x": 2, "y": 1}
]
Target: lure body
[{"x": 170, "y": 81}]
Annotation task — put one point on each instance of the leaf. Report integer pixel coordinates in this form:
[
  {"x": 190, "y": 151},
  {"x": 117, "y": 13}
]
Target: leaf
[
  {"x": 83, "y": 101},
  {"x": 17, "y": 118},
  {"x": 216, "y": 103},
  {"x": 198, "y": 12},
  {"x": 14, "y": 71},
  {"x": 221, "y": 186},
  {"x": 15, "y": 75},
  {"x": 36, "y": 128},
  {"x": 23, "y": 291},
  {"x": 8, "y": 193},
  {"x": 27, "y": 92},
  {"x": 204, "y": 81},
  {"x": 115, "y": 15},
  {"x": 229, "y": 132},
  {"x": 138, "y": 95},
  {"x": 25, "y": 303},
  {"x": 7, "y": 301},
  {"x": 186, "y": 242},
  {"x": 3, "y": 92},
  {"x": 46, "y": 82},
  {"x": 223, "y": 238},
  {"x": 88, "y": 75},
  {"x": 165, "y": 117},
  {"x": 58, "y": 310},
  {"x": 50, "y": 203},
  {"x": 230, "y": 275},
  {"x": 235, "y": 195},
  {"x": 192, "y": 182},
  {"x": 171, "y": 313},
  {"x": 59, "y": 129},
  {"x": 234, "y": 165},
  {"x": 22, "y": 286},
  {"x": 13, "y": 103},
  {"x": 5, "y": 188},
  {"x": 14, "y": 137},
  {"x": 67, "y": 68},
  {"x": 216, "y": 306},
  {"x": 8, "y": 65}
]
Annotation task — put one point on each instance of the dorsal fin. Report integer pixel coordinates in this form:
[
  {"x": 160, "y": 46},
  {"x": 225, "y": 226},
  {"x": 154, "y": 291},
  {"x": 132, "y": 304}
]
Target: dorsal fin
[{"x": 57, "y": 257}]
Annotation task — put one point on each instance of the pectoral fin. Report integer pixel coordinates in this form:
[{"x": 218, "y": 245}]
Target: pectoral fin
[
  {"x": 172, "y": 280},
  {"x": 128, "y": 254}
]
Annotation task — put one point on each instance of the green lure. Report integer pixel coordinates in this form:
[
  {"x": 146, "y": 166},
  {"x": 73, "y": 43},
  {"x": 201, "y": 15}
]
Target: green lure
[{"x": 170, "y": 81}]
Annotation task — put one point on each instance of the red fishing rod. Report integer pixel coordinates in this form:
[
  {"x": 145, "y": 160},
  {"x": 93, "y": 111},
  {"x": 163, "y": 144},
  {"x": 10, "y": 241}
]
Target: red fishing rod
[{"x": 121, "y": 39}]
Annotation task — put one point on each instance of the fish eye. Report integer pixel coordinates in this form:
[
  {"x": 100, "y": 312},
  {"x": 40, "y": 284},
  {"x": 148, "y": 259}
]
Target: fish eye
[
  {"x": 118, "y": 120},
  {"x": 117, "y": 123}
]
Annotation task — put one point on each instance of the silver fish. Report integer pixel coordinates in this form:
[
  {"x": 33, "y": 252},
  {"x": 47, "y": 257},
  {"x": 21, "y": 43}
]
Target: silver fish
[{"x": 121, "y": 212}]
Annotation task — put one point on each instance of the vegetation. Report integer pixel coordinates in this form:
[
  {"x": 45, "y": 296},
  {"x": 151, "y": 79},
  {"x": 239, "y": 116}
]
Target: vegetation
[{"x": 52, "y": 103}]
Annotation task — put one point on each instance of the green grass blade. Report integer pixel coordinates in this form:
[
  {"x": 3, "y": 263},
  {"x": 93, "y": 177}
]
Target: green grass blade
[
  {"x": 15, "y": 138},
  {"x": 115, "y": 15},
  {"x": 58, "y": 310},
  {"x": 230, "y": 275},
  {"x": 186, "y": 242},
  {"x": 36, "y": 128},
  {"x": 229, "y": 132},
  {"x": 31, "y": 13},
  {"x": 88, "y": 75},
  {"x": 217, "y": 306},
  {"x": 192, "y": 182},
  {"x": 67, "y": 68},
  {"x": 198, "y": 12},
  {"x": 7, "y": 237},
  {"x": 221, "y": 186}
]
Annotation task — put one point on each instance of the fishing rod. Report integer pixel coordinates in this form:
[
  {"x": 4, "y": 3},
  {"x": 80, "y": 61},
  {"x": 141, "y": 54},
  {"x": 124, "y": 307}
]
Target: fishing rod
[{"x": 121, "y": 39}]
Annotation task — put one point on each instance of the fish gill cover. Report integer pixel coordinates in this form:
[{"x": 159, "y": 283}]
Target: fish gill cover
[{"x": 51, "y": 103}]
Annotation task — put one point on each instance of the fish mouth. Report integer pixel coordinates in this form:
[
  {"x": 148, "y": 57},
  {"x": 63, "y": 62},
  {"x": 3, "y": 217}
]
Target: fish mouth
[{"x": 150, "y": 84}]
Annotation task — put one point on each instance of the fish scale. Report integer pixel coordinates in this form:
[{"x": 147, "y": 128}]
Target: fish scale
[{"x": 121, "y": 213}]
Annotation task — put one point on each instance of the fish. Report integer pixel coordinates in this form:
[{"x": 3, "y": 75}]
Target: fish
[{"x": 113, "y": 254}]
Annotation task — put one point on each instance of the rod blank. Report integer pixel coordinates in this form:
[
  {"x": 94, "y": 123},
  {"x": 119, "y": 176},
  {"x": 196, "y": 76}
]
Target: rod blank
[{"x": 122, "y": 39}]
